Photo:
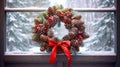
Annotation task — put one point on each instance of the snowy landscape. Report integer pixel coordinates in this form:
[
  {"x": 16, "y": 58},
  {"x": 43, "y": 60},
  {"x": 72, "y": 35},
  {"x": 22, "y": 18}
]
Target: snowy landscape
[{"x": 99, "y": 25}]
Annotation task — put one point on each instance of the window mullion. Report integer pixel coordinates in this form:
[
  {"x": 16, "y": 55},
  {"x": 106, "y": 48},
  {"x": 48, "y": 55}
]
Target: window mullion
[{"x": 76, "y": 9}]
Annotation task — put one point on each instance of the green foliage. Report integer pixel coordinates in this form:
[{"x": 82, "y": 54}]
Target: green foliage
[{"x": 41, "y": 17}]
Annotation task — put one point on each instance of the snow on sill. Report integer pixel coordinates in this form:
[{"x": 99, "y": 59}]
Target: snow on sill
[{"x": 88, "y": 53}]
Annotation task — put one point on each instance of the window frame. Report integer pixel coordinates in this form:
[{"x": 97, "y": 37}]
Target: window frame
[{"x": 28, "y": 58}]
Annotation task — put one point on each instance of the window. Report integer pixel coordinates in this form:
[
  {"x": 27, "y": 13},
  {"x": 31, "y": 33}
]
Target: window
[
  {"x": 100, "y": 23},
  {"x": 100, "y": 18}
]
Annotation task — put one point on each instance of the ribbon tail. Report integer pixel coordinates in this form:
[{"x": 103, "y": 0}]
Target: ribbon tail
[
  {"x": 67, "y": 53},
  {"x": 53, "y": 55}
]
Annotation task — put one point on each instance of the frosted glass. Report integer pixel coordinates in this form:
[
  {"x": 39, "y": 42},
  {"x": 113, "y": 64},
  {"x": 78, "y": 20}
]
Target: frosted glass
[
  {"x": 65, "y": 3},
  {"x": 99, "y": 25}
]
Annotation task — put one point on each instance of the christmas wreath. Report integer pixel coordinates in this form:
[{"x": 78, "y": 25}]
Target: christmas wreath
[{"x": 45, "y": 36}]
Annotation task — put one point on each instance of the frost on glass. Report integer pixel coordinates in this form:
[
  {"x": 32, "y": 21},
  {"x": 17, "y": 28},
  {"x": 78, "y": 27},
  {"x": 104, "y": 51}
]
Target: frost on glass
[
  {"x": 65, "y": 3},
  {"x": 99, "y": 25},
  {"x": 19, "y": 31},
  {"x": 101, "y": 28}
]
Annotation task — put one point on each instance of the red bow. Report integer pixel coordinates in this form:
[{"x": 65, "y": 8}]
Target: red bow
[{"x": 64, "y": 46}]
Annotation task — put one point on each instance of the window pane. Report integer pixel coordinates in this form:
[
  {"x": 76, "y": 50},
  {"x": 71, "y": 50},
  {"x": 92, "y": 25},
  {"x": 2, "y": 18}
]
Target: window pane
[
  {"x": 65, "y": 3},
  {"x": 99, "y": 25}
]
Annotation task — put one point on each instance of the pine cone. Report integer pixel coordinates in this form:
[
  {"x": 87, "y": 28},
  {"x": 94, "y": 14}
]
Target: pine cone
[
  {"x": 60, "y": 14},
  {"x": 75, "y": 30},
  {"x": 68, "y": 14},
  {"x": 46, "y": 23},
  {"x": 82, "y": 28},
  {"x": 42, "y": 30},
  {"x": 84, "y": 35},
  {"x": 56, "y": 19},
  {"x": 69, "y": 9},
  {"x": 36, "y": 37},
  {"x": 44, "y": 38},
  {"x": 44, "y": 44},
  {"x": 42, "y": 48},
  {"x": 75, "y": 43},
  {"x": 77, "y": 23},
  {"x": 36, "y": 21},
  {"x": 66, "y": 37},
  {"x": 67, "y": 26},
  {"x": 50, "y": 11},
  {"x": 72, "y": 35},
  {"x": 67, "y": 20},
  {"x": 56, "y": 39},
  {"x": 78, "y": 17},
  {"x": 80, "y": 22},
  {"x": 50, "y": 33}
]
